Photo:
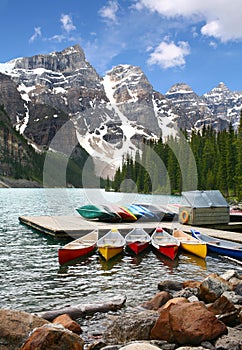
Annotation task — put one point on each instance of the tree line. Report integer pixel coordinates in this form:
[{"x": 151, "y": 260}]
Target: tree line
[{"x": 203, "y": 160}]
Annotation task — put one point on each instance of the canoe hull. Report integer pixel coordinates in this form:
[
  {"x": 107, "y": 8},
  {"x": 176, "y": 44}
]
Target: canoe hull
[
  {"x": 137, "y": 240},
  {"x": 81, "y": 247},
  {"x": 191, "y": 244},
  {"x": 220, "y": 246},
  {"x": 170, "y": 251},
  {"x": 165, "y": 243},
  {"x": 67, "y": 255},
  {"x": 109, "y": 252},
  {"x": 138, "y": 247},
  {"x": 225, "y": 251},
  {"x": 111, "y": 244},
  {"x": 199, "y": 250}
]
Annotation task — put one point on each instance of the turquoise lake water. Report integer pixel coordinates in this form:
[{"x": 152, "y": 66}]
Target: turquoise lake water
[{"x": 32, "y": 280}]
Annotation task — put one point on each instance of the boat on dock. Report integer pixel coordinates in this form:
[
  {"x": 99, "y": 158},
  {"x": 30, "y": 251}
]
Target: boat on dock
[
  {"x": 161, "y": 212},
  {"x": 220, "y": 246},
  {"x": 165, "y": 243},
  {"x": 190, "y": 243},
  {"x": 141, "y": 212},
  {"x": 125, "y": 214},
  {"x": 137, "y": 240},
  {"x": 78, "y": 248},
  {"x": 111, "y": 244},
  {"x": 98, "y": 212}
]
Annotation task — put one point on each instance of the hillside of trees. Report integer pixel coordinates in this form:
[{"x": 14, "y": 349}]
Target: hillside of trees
[
  {"x": 205, "y": 160},
  {"x": 19, "y": 160}
]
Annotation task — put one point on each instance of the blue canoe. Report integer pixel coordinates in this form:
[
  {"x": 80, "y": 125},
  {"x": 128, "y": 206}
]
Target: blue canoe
[
  {"x": 220, "y": 246},
  {"x": 140, "y": 212}
]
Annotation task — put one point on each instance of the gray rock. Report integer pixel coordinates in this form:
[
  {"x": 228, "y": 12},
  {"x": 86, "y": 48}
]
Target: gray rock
[
  {"x": 129, "y": 327},
  {"x": 140, "y": 346},
  {"x": 233, "y": 297},
  {"x": 168, "y": 285},
  {"x": 186, "y": 293},
  {"x": 231, "y": 341},
  {"x": 229, "y": 274}
]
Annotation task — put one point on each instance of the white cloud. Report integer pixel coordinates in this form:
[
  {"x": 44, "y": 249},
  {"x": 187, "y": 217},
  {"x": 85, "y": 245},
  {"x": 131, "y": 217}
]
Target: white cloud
[
  {"x": 168, "y": 54},
  {"x": 56, "y": 38},
  {"x": 108, "y": 13},
  {"x": 67, "y": 23},
  {"x": 222, "y": 17},
  {"x": 37, "y": 33}
]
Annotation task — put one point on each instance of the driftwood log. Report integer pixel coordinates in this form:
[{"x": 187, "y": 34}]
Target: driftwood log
[{"x": 81, "y": 310}]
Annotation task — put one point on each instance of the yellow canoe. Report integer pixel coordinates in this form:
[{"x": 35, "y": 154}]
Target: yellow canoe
[
  {"x": 109, "y": 252},
  {"x": 191, "y": 244},
  {"x": 111, "y": 244}
]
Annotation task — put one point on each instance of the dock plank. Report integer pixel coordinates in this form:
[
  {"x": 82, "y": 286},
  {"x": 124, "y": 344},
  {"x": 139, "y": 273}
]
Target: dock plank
[{"x": 76, "y": 226}]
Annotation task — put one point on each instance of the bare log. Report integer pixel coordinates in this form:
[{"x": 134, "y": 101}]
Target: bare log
[{"x": 81, "y": 310}]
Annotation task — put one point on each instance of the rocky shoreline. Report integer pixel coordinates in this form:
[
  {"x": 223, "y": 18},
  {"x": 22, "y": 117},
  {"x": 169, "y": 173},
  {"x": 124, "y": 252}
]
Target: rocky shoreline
[
  {"x": 8, "y": 182},
  {"x": 182, "y": 315}
]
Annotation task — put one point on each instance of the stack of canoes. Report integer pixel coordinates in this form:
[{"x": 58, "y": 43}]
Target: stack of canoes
[{"x": 133, "y": 212}]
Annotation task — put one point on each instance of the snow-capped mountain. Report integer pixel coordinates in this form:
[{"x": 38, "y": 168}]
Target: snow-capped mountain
[{"x": 108, "y": 116}]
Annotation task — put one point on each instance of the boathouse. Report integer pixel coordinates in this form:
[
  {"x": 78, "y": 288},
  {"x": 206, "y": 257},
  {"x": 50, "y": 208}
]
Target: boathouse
[{"x": 204, "y": 208}]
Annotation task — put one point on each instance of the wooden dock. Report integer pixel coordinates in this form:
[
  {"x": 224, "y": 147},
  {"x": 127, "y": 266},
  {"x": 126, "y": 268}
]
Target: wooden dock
[{"x": 76, "y": 226}]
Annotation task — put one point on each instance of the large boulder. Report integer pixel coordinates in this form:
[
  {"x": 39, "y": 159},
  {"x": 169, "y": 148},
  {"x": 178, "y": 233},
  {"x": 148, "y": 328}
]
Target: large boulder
[
  {"x": 187, "y": 323},
  {"x": 129, "y": 327},
  {"x": 15, "y": 327},
  {"x": 53, "y": 337},
  {"x": 212, "y": 287}
]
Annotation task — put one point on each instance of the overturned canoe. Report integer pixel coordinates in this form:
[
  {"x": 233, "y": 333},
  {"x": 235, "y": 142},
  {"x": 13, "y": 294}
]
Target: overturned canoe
[{"x": 98, "y": 212}]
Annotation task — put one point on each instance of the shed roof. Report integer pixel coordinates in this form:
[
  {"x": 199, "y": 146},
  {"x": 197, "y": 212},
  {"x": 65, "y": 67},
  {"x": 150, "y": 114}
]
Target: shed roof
[{"x": 205, "y": 199}]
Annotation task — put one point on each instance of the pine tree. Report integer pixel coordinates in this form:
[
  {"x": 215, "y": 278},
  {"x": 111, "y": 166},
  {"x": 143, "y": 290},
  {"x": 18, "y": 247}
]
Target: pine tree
[{"x": 238, "y": 172}]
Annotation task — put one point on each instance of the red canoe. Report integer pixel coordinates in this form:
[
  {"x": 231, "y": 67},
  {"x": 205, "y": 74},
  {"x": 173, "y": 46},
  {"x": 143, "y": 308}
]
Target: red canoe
[
  {"x": 125, "y": 214},
  {"x": 81, "y": 247},
  {"x": 165, "y": 243},
  {"x": 137, "y": 240}
]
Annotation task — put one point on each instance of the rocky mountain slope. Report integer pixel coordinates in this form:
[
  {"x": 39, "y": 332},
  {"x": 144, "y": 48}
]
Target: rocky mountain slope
[{"x": 59, "y": 99}]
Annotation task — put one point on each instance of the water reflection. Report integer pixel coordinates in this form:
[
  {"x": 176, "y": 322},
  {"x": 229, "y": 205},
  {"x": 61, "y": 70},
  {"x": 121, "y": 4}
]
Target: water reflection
[
  {"x": 108, "y": 265},
  {"x": 137, "y": 259},
  {"x": 170, "y": 264},
  {"x": 193, "y": 259}
]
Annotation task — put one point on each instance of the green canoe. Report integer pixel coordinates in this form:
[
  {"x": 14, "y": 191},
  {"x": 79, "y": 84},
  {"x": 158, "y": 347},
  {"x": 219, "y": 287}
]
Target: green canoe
[{"x": 101, "y": 213}]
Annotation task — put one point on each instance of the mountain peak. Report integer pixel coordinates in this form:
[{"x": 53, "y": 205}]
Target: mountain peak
[
  {"x": 70, "y": 59},
  {"x": 69, "y": 51},
  {"x": 179, "y": 88},
  {"x": 221, "y": 87}
]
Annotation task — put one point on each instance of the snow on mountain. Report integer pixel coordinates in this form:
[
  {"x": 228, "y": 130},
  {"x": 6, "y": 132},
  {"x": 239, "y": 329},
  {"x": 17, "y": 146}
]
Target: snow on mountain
[{"x": 111, "y": 114}]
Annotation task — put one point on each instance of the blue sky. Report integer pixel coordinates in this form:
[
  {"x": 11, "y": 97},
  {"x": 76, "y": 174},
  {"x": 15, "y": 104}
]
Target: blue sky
[{"x": 198, "y": 42}]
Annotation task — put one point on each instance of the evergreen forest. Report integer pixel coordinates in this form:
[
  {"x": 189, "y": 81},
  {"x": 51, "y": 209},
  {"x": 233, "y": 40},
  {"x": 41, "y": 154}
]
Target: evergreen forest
[{"x": 205, "y": 160}]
